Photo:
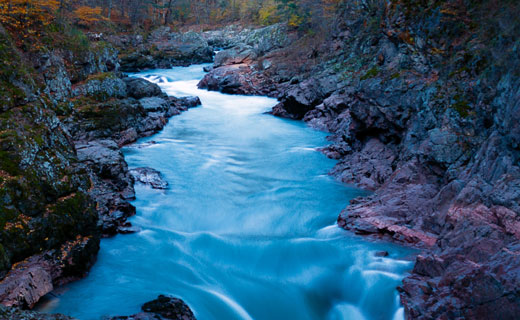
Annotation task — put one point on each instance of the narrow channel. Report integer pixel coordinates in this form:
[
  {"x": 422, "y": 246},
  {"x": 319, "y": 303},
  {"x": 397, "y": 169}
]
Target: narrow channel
[{"x": 247, "y": 227}]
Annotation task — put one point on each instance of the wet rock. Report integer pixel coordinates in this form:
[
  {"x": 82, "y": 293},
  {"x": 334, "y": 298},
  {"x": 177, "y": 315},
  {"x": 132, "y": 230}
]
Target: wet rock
[
  {"x": 162, "y": 308},
  {"x": 381, "y": 254},
  {"x": 140, "y": 88},
  {"x": 36, "y": 276},
  {"x": 149, "y": 176},
  {"x": 162, "y": 49},
  {"x": 27, "y": 283},
  {"x": 184, "y": 103},
  {"x": 18, "y": 314}
]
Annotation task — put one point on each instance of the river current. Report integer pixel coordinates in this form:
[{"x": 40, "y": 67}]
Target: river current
[{"x": 247, "y": 227}]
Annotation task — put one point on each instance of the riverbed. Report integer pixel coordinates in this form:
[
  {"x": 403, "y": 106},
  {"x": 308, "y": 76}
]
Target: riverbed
[{"x": 246, "y": 229}]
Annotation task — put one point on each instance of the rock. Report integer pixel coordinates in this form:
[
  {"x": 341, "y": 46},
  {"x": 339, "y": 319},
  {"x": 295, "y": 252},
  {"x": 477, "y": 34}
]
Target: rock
[
  {"x": 149, "y": 176},
  {"x": 27, "y": 283},
  {"x": 184, "y": 103},
  {"x": 238, "y": 79},
  {"x": 437, "y": 142},
  {"x": 162, "y": 49},
  {"x": 18, "y": 314},
  {"x": 140, "y": 88},
  {"x": 107, "y": 86},
  {"x": 154, "y": 104},
  {"x": 169, "y": 308},
  {"x": 162, "y": 308},
  {"x": 36, "y": 276},
  {"x": 236, "y": 55},
  {"x": 381, "y": 254}
]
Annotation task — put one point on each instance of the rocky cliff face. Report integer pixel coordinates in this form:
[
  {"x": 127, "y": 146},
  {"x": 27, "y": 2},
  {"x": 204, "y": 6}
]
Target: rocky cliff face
[
  {"x": 162, "y": 48},
  {"x": 64, "y": 182},
  {"x": 423, "y": 104}
]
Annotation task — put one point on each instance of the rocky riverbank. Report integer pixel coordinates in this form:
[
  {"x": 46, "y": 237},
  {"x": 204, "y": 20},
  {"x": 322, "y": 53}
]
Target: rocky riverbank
[
  {"x": 428, "y": 119},
  {"x": 162, "y": 308},
  {"x": 422, "y": 103},
  {"x": 64, "y": 180}
]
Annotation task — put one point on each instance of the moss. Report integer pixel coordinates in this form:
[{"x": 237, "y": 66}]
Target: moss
[
  {"x": 371, "y": 73},
  {"x": 63, "y": 109},
  {"x": 102, "y": 76},
  {"x": 9, "y": 163},
  {"x": 396, "y": 75},
  {"x": 462, "y": 106}
]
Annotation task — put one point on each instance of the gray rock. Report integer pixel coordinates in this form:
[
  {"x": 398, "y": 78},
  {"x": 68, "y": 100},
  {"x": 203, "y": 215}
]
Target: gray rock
[
  {"x": 154, "y": 104},
  {"x": 236, "y": 55},
  {"x": 149, "y": 176},
  {"x": 140, "y": 88}
]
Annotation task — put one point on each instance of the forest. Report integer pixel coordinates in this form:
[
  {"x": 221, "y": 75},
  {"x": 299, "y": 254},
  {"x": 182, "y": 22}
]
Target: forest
[{"x": 28, "y": 14}]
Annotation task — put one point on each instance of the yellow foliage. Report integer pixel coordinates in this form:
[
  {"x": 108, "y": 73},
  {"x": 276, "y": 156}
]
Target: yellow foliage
[
  {"x": 295, "y": 20},
  {"x": 88, "y": 15},
  {"x": 27, "y": 16},
  {"x": 268, "y": 13}
]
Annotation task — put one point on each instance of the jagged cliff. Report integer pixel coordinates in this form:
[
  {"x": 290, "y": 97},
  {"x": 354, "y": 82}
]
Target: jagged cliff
[
  {"x": 423, "y": 104},
  {"x": 64, "y": 182}
]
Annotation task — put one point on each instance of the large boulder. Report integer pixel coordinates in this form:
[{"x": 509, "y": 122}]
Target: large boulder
[
  {"x": 140, "y": 88},
  {"x": 235, "y": 55}
]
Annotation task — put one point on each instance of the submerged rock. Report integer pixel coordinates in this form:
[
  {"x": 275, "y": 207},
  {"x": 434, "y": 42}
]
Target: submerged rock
[
  {"x": 162, "y": 308},
  {"x": 149, "y": 176}
]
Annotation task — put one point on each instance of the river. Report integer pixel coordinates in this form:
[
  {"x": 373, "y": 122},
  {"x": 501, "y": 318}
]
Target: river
[{"x": 247, "y": 227}]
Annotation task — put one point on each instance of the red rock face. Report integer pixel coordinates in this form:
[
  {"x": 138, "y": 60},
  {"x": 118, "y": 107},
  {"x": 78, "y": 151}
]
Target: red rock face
[
  {"x": 27, "y": 283},
  {"x": 36, "y": 276}
]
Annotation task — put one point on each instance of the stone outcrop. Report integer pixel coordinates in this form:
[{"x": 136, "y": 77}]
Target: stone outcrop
[
  {"x": 149, "y": 176},
  {"x": 162, "y": 48},
  {"x": 428, "y": 120},
  {"x": 64, "y": 181}
]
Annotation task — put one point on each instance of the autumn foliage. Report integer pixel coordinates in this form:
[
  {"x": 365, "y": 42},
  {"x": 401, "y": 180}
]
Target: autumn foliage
[
  {"x": 87, "y": 15},
  {"x": 27, "y": 16}
]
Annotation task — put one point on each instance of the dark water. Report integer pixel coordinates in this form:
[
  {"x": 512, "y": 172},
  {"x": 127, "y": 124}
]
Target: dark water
[{"x": 246, "y": 230}]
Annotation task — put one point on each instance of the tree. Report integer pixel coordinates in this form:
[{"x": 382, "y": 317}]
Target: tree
[{"x": 87, "y": 15}]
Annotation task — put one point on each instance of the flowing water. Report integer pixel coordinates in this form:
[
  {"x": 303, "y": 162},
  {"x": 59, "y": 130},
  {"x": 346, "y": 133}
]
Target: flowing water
[{"x": 247, "y": 228}]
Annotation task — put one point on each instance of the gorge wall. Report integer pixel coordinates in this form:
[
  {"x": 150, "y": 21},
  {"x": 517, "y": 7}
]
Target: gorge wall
[
  {"x": 65, "y": 114},
  {"x": 422, "y": 102}
]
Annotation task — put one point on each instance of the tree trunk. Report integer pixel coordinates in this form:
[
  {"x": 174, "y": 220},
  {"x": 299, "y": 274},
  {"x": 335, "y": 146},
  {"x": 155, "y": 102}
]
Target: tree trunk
[
  {"x": 168, "y": 11},
  {"x": 109, "y": 9}
]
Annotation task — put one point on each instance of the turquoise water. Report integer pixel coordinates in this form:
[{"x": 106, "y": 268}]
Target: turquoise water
[{"x": 247, "y": 228}]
